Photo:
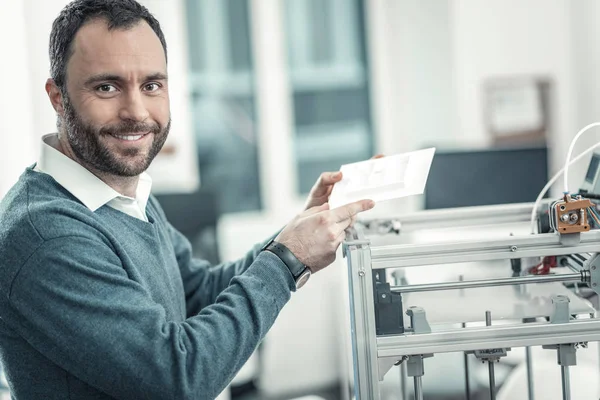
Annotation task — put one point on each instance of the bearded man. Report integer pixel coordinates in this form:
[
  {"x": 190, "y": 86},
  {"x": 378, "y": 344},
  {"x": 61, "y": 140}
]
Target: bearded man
[{"x": 101, "y": 297}]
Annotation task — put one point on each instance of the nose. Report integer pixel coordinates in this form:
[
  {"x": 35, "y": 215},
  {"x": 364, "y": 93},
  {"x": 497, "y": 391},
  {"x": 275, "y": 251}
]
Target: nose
[{"x": 133, "y": 107}]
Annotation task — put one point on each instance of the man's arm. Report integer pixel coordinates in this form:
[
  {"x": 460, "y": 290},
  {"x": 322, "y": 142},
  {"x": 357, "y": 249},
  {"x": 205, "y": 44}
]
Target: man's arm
[
  {"x": 81, "y": 310},
  {"x": 201, "y": 281}
]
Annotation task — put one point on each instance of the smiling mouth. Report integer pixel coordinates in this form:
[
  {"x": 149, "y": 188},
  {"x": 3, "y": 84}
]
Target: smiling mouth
[{"x": 130, "y": 138}]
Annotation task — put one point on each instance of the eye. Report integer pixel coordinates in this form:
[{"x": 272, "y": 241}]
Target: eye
[
  {"x": 152, "y": 87},
  {"x": 106, "y": 88}
]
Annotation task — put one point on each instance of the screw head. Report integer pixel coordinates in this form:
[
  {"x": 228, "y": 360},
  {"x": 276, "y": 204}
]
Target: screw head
[
  {"x": 513, "y": 248},
  {"x": 573, "y": 217},
  {"x": 593, "y": 267},
  {"x": 383, "y": 295},
  {"x": 361, "y": 273}
]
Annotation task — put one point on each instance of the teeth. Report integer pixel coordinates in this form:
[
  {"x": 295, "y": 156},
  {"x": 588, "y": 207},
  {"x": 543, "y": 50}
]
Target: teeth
[{"x": 131, "y": 138}]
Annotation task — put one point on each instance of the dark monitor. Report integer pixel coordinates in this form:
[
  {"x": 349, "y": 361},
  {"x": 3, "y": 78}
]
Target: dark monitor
[
  {"x": 485, "y": 177},
  {"x": 195, "y": 215},
  {"x": 593, "y": 168}
]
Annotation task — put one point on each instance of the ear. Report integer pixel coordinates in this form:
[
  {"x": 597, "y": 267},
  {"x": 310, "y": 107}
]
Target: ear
[{"x": 55, "y": 96}]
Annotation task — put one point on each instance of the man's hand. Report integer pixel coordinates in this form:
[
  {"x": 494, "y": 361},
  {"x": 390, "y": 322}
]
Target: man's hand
[
  {"x": 319, "y": 194},
  {"x": 315, "y": 235}
]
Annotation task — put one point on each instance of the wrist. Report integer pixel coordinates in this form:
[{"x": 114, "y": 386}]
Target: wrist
[{"x": 300, "y": 272}]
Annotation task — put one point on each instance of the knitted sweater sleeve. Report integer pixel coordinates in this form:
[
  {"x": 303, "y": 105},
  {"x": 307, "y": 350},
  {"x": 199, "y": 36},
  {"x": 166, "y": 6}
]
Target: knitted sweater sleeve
[
  {"x": 203, "y": 282},
  {"x": 81, "y": 310}
]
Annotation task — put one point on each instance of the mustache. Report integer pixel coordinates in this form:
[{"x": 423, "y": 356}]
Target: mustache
[{"x": 130, "y": 128}]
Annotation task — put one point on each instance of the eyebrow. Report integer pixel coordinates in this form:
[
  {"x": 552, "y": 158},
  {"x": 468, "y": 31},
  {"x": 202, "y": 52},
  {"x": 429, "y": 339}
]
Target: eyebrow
[{"x": 157, "y": 76}]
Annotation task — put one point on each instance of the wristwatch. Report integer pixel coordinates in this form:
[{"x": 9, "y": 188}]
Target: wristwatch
[{"x": 300, "y": 272}]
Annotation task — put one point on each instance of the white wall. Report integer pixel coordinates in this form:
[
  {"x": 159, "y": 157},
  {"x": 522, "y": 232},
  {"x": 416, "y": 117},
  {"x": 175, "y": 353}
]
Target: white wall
[
  {"x": 425, "y": 69},
  {"x": 40, "y": 15},
  {"x": 430, "y": 60},
  {"x": 585, "y": 46},
  {"x": 505, "y": 38},
  {"x": 558, "y": 40},
  {"x": 411, "y": 76},
  {"x": 412, "y": 73},
  {"x": 585, "y": 55},
  {"x": 25, "y": 110},
  {"x": 16, "y": 108}
]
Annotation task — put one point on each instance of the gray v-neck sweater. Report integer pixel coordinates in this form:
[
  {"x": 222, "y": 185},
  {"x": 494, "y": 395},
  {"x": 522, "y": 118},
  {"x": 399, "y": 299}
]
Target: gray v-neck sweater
[{"x": 99, "y": 305}]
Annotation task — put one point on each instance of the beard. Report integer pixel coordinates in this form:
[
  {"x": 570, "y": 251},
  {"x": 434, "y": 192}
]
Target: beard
[{"x": 85, "y": 140}]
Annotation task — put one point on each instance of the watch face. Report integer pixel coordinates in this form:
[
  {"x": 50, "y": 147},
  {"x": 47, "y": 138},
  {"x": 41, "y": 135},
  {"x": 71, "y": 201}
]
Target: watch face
[{"x": 303, "y": 278}]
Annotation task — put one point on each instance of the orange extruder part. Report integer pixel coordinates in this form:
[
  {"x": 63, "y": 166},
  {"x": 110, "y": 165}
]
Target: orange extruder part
[{"x": 571, "y": 208}]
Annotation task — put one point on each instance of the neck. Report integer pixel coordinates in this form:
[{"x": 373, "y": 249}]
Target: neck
[{"x": 123, "y": 185}]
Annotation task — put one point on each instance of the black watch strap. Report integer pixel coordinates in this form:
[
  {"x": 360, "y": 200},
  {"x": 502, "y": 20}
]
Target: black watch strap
[{"x": 295, "y": 266}]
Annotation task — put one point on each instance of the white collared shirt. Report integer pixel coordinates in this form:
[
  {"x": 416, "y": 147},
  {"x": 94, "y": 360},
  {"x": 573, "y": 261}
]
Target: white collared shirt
[{"x": 87, "y": 187}]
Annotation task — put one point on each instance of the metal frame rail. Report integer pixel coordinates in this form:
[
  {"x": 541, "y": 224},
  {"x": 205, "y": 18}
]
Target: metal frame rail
[{"x": 374, "y": 355}]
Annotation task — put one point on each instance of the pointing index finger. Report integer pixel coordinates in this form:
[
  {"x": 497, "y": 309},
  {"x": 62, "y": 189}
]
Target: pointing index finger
[{"x": 350, "y": 210}]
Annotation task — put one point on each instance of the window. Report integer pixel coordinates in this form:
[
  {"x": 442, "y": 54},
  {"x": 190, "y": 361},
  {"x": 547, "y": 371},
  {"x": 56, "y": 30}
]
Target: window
[
  {"x": 223, "y": 102},
  {"x": 328, "y": 72}
]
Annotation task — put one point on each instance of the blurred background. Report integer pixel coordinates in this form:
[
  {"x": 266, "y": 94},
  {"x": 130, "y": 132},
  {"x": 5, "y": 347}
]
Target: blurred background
[{"x": 267, "y": 94}]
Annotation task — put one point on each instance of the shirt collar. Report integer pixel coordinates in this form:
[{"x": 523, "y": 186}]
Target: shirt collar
[{"x": 80, "y": 182}]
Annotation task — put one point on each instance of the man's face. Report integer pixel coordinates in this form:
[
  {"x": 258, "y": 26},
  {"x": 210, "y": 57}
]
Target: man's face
[{"x": 116, "y": 109}]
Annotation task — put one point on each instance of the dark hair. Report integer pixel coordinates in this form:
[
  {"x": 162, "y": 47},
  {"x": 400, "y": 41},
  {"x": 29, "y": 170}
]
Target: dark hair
[{"x": 119, "y": 14}]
